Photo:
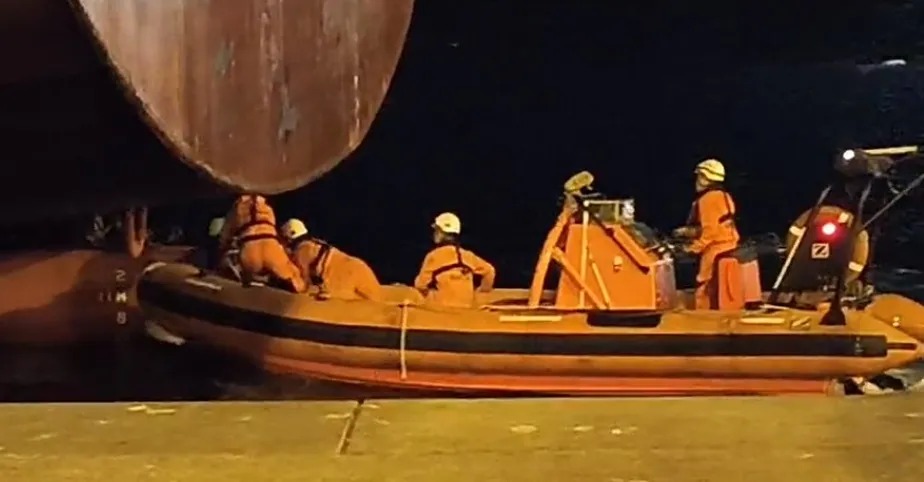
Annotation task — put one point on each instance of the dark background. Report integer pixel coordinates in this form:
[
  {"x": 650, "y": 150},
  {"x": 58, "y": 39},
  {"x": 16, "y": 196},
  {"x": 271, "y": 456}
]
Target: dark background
[{"x": 495, "y": 104}]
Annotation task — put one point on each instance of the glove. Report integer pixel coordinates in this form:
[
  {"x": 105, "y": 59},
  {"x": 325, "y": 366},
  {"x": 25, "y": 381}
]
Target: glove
[{"x": 684, "y": 232}]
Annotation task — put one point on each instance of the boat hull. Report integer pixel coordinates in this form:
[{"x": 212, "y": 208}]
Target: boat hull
[
  {"x": 112, "y": 104},
  {"x": 551, "y": 384},
  {"x": 513, "y": 350}
]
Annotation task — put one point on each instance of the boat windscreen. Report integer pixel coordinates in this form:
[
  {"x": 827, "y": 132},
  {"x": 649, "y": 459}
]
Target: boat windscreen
[{"x": 643, "y": 234}]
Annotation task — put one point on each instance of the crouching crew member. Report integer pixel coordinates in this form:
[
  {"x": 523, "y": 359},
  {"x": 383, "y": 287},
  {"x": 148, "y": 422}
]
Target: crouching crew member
[
  {"x": 335, "y": 273},
  {"x": 251, "y": 225}
]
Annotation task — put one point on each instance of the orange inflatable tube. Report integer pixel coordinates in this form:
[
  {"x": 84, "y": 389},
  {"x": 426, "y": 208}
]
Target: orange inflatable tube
[{"x": 901, "y": 313}]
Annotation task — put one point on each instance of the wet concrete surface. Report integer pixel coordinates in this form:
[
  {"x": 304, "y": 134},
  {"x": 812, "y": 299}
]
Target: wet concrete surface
[{"x": 705, "y": 439}]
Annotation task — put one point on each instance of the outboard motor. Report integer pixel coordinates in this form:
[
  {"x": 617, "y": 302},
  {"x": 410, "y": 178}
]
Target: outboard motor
[
  {"x": 818, "y": 250},
  {"x": 828, "y": 247}
]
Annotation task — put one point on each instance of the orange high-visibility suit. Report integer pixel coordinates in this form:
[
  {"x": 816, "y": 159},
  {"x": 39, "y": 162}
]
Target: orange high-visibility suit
[
  {"x": 447, "y": 276},
  {"x": 336, "y": 273},
  {"x": 251, "y": 222},
  {"x": 713, "y": 214}
]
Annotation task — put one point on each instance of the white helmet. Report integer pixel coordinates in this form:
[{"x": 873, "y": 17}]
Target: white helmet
[
  {"x": 448, "y": 223},
  {"x": 294, "y": 228},
  {"x": 216, "y": 226},
  {"x": 711, "y": 169}
]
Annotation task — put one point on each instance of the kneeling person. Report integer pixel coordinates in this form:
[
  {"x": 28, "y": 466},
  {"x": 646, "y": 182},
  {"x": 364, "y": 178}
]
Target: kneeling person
[
  {"x": 336, "y": 273},
  {"x": 251, "y": 224}
]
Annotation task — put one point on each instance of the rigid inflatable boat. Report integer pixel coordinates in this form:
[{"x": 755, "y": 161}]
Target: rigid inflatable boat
[{"x": 614, "y": 324}]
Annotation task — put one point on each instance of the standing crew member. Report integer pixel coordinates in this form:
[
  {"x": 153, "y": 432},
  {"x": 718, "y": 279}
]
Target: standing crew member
[
  {"x": 447, "y": 274},
  {"x": 208, "y": 255},
  {"x": 712, "y": 225},
  {"x": 251, "y": 222},
  {"x": 213, "y": 253},
  {"x": 336, "y": 273}
]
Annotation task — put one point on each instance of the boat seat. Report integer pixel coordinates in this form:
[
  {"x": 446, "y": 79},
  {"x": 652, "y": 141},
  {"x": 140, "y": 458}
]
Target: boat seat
[
  {"x": 749, "y": 261},
  {"x": 729, "y": 291}
]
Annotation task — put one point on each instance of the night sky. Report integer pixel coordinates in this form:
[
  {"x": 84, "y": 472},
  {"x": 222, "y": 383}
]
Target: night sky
[
  {"x": 493, "y": 107},
  {"x": 495, "y": 104}
]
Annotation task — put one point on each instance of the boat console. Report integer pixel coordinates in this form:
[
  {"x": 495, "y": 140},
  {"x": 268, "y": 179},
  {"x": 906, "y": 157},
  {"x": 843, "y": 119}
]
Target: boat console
[{"x": 608, "y": 260}]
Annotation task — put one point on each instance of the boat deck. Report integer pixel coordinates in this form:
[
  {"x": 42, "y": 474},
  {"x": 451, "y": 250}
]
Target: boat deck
[{"x": 716, "y": 439}]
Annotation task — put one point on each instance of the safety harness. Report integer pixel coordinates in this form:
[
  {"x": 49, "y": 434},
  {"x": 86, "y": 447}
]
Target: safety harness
[
  {"x": 459, "y": 264},
  {"x": 316, "y": 268},
  {"x": 728, "y": 217},
  {"x": 241, "y": 239}
]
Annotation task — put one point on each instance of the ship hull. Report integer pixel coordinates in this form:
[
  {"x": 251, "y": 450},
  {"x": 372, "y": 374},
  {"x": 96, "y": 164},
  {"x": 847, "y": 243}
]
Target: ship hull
[
  {"x": 54, "y": 298},
  {"x": 109, "y": 104}
]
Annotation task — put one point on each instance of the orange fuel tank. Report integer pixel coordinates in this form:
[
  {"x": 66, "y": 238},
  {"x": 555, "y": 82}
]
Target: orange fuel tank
[
  {"x": 110, "y": 104},
  {"x": 55, "y": 298}
]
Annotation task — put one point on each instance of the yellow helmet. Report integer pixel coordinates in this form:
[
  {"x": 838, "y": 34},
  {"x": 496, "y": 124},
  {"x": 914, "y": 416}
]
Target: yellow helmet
[
  {"x": 711, "y": 169},
  {"x": 448, "y": 223},
  {"x": 293, "y": 228}
]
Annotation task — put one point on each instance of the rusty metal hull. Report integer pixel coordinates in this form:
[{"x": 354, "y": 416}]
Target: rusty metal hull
[
  {"x": 63, "y": 297},
  {"x": 107, "y": 103}
]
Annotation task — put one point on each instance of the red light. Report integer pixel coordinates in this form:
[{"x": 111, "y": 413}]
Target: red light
[{"x": 828, "y": 228}]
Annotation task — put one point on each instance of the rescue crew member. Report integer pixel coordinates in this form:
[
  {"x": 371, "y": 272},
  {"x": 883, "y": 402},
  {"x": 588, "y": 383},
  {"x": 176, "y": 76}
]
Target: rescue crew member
[
  {"x": 447, "y": 274},
  {"x": 334, "y": 272},
  {"x": 208, "y": 255},
  {"x": 711, "y": 224},
  {"x": 213, "y": 254},
  {"x": 251, "y": 223}
]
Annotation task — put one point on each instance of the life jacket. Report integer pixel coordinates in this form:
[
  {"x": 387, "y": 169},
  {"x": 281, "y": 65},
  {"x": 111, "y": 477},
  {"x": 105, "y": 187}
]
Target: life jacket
[
  {"x": 316, "y": 267},
  {"x": 458, "y": 264},
  {"x": 728, "y": 217},
  {"x": 244, "y": 239}
]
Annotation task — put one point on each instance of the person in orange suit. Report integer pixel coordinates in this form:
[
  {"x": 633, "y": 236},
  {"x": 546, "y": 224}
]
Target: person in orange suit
[
  {"x": 251, "y": 225},
  {"x": 335, "y": 273},
  {"x": 447, "y": 274},
  {"x": 715, "y": 237}
]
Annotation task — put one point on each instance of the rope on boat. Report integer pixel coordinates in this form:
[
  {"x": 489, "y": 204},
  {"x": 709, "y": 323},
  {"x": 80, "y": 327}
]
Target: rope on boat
[{"x": 402, "y": 348}]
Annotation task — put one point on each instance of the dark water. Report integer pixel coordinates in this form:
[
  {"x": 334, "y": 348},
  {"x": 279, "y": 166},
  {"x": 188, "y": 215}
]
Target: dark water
[{"x": 139, "y": 368}]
